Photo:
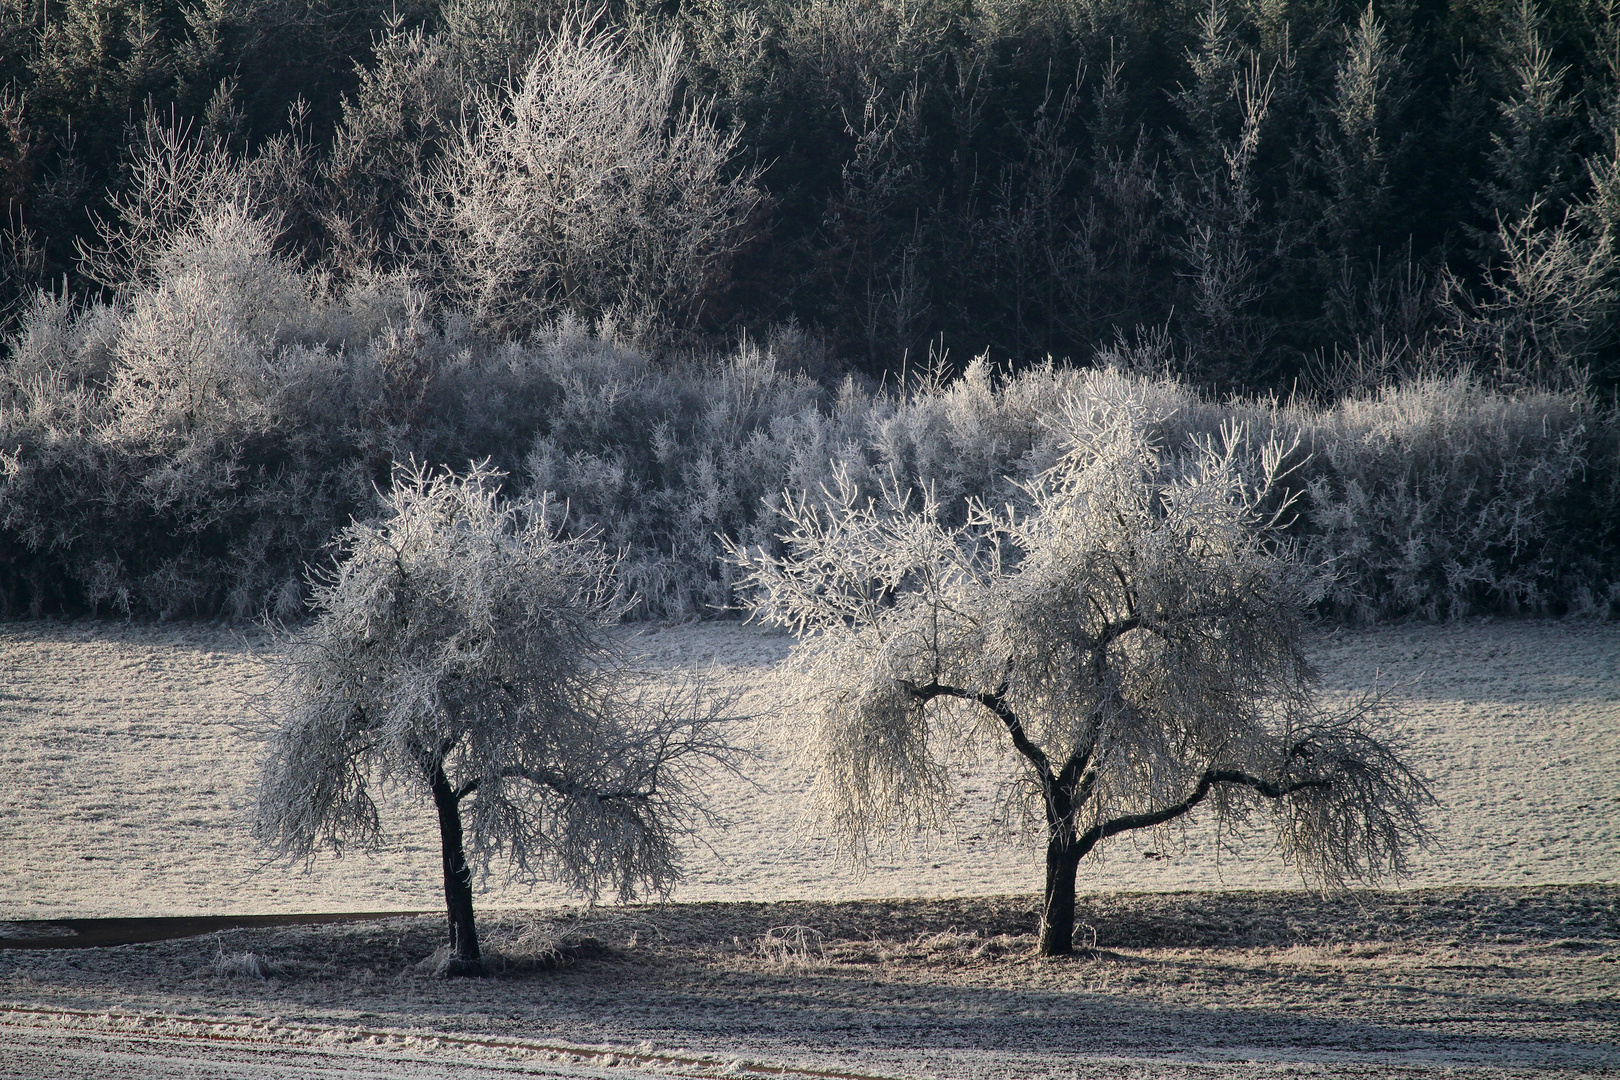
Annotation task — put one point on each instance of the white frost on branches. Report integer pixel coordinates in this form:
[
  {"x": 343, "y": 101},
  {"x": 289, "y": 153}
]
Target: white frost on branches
[
  {"x": 585, "y": 185},
  {"x": 1135, "y": 630},
  {"x": 464, "y": 634}
]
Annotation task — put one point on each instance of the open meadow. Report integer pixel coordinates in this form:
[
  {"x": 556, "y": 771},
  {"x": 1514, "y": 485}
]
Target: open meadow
[{"x": 133, "y": 761}]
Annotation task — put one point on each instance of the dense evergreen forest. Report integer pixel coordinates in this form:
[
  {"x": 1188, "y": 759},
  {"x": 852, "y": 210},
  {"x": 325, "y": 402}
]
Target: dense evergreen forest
[
  {"x": 668, "y": 259},
  {"x": 1276, "y": 189}
]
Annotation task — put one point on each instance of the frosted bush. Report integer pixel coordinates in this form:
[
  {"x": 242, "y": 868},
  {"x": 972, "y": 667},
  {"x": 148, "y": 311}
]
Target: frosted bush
[
  {"x": 1442, "y": 498},
  {"x": 174, "y": 180},
  {"x": 665, "y": 461},
  {"x": 60, "y": 344},
  {"x": 244, "y": 964},
  {"x": 173, "y": 451},
  {"x": 792, "y": 947},
  {"x": 1546, "y": 317},
  {"x": 190, "y": 444},
  {"x": 584, "y": 186},
  {"x": 195, "y": 346}
]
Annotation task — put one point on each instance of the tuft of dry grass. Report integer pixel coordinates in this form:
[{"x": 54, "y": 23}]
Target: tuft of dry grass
[{"x": 242, "y": 964}]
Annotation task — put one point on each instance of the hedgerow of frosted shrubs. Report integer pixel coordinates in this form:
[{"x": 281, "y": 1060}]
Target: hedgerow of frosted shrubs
[
  {"x": 190, "y": 442},
  {"x": 191, "y": 447}
]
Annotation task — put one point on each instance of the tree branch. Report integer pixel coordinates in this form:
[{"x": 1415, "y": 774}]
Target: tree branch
[
  {"x": 1206, "y": 782},
  {"x": 1076, "y": 765},
  {"x": 1116, "y": 630},
  {"x": 563, "y": 787},
  {"x": 996, "y": 703}
]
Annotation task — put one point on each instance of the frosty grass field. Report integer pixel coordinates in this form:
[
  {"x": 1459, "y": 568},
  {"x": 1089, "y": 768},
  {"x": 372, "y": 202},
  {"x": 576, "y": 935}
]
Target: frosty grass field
[{"x": 131, "y": 766}]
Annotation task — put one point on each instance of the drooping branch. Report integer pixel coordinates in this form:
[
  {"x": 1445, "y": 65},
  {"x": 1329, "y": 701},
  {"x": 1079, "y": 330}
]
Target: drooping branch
[
  {"x": 563, "y": 786},
  {"x": 556, "y": 784},
  {"x": 669, "y": 751},
  {"x": 1206, "y": 784},
  {"x": 995, "y": 701}
]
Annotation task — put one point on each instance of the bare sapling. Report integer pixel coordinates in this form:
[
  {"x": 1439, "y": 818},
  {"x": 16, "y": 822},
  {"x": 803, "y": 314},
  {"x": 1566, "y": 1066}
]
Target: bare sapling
[
  {"x": 1135, "y": 634},
  {"x": 462, "y": 647}
]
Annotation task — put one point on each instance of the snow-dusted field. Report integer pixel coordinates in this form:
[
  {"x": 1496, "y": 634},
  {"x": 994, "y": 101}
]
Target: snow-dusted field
[
  {"x": 131, "y": 769},
  {"x": 130, "y": 764}
]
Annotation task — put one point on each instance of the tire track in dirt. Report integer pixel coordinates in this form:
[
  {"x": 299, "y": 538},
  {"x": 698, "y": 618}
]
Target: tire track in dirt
[{"x": 129, "y": 1029}]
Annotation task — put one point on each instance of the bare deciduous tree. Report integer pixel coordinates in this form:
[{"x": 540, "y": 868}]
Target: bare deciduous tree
[
  {"x": 461, "y": 646},
  {"x": 1548, "y": 312},
  {"x": 1135, "y": 633},
  {"x": 174, "y": 179},
  {"x": 583, "y": 185}
]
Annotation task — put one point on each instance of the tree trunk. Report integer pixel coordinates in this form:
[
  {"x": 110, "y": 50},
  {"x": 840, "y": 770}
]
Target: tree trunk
[
  {"x": 465, "y": 957},
  {"x": 1057, "y": 914}
]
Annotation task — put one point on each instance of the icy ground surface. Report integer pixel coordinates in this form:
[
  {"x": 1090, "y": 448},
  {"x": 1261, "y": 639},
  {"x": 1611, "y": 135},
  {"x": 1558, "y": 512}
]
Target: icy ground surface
[
  {"x": 132, "y": 762},
  {"x": 131, "y": 759}
]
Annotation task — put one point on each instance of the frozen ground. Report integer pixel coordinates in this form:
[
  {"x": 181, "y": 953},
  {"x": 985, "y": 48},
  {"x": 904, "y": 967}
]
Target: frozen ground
[
  {"x": 1479, "y": 983},
  {"x": 132, "y": 772},
  {"x": 130, "y": 765}
]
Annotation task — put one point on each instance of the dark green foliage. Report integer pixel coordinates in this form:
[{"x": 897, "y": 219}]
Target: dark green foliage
[{"x": 1271, "y": 183}]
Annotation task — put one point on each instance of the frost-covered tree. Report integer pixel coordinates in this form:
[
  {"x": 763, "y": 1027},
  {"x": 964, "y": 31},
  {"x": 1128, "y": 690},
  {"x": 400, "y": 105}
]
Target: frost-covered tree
[
  {"x": 1358, "y": 137},
  {"x": 584, "y": 185},
  {"x": 1135, "y": 633},
  {"x": 461, "y": 647}
]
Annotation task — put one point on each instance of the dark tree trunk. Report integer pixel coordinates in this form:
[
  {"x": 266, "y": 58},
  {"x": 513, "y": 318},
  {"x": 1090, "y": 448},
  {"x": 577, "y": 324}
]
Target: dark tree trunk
[
  {"x": 465, "y": 957},
  {"x": 1057, "y": 913},
  {"x": 1065, "y": 848}
]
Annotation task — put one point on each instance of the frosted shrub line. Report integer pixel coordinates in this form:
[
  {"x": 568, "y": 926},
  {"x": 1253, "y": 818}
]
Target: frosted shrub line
[
  {"x": 183, "y": 453},
  {"x": 189, "y": 447}
]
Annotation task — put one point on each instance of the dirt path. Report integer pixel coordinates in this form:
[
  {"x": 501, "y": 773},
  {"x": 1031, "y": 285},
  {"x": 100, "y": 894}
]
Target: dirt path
[
  {"x": 1485, "y": 983},
  {"x": 47, "y": 1044}
]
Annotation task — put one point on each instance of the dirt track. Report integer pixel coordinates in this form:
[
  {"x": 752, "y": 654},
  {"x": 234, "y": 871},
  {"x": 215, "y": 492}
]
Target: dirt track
[{"x": 1482, "y": 982}]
